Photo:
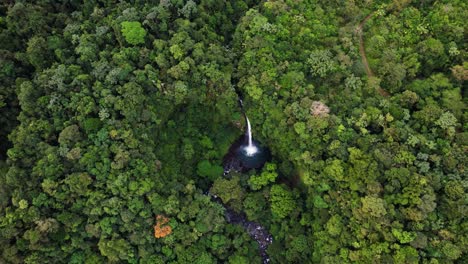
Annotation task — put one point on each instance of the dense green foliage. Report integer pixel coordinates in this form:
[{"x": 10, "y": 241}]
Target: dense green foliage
[
  {"x": 133, "y": 32},
  {"x": 114, "y": 113}
]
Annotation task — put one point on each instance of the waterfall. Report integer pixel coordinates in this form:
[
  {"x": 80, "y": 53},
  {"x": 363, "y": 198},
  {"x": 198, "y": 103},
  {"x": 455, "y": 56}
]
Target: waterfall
[
  {"x": 249, "y": 131},
  {"x": 250, "y": 149},
  {"x": 245, "y": 153}
]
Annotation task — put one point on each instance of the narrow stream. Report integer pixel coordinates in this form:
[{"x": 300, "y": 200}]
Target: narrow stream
[{"x": 254, "y": 229}]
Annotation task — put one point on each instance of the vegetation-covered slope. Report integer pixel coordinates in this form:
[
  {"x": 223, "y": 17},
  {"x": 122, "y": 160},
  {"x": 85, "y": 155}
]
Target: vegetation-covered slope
[{"x": 115, "y": 118}]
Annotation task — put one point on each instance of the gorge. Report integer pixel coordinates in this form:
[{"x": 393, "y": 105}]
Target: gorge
[{"x": 245, "y": 154}]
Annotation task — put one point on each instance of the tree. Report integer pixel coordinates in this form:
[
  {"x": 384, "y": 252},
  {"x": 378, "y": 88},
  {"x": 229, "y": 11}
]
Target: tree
[
  {"x": 133, "y": 32},
  {"x": 282, "y": 201},
  {"x": 69, "y": 135},
  {"x": 403, "y": 236},
  {"x": 37, "y": 52},
  {"x": 267, "y": 176},
  {"x": 373, "y": 206},
  {"x": 460, "y": 72},
  {"x": 229, "y": 191},
  {"x": 161, "y": 231},
  {"x": 321, "y": 63},
  {"x": 319, "y": 109},
  {"x": 451, "y": 251},
  {"x": 335, "y": 225},
  {"x": 116, "y": 249},
  {"x": 206, "y": 169}
]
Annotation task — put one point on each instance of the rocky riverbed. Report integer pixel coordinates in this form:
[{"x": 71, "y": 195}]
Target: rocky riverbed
[{"x": 254, "y": 229}]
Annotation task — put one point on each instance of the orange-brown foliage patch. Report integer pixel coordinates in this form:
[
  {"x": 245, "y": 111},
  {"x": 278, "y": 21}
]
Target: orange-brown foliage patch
[{"x": 160, "y": 230}]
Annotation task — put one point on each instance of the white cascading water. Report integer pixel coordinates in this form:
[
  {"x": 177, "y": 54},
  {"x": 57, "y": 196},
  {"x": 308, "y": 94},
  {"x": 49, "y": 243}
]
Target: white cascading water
[{"x": 251, "y": 149}]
